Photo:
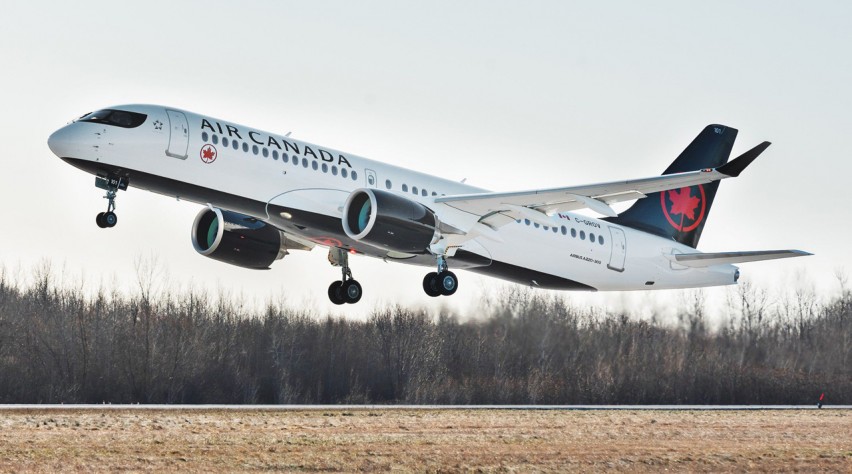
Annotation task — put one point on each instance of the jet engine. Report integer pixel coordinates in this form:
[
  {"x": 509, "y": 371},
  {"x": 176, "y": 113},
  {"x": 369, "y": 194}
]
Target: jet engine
[
  {"x": 389, "y": 221},
  {"x": 237, "y": 239}
]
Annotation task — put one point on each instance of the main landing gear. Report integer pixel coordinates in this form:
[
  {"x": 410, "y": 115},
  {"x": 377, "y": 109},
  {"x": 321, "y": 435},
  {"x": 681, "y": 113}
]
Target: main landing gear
[
  {"x": 347, "y": 290},
  {"x": 112, "y": 186},
  {"x": 442, "y": 282}
]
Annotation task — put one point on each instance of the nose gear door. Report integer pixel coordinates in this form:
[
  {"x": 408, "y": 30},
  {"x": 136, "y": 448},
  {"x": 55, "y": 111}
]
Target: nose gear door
[{"x": 178, "y": 135}]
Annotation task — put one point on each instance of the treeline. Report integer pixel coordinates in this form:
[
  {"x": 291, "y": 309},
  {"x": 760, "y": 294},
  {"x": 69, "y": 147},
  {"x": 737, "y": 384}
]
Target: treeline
[{"x": 58, "y": 345}]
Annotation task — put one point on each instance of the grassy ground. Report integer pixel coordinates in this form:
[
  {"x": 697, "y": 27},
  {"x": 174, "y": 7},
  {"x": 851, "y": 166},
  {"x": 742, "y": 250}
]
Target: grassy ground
[{"x": 421, "y": 440}]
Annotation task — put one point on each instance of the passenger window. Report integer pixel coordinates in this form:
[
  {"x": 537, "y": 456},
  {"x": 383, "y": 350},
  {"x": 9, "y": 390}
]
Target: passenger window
[
  {"x": 423, "y": 193},
  {"x": 266, "y": 153},
  {"x": 555, "y": 230},
  {"x": 314, "y": 165},
  {"x": 527, "y": 221},
  {"x": 546, "y": 228},
  {"x": 414, "y": 190},
  {"x": 574, "y": 233},
  {"x": 600, "y": 239},
  {"x": 205, "y": 137},
  {"x": 536, "y": 225},
  {"x": 405, "y": 188},
  {"x": 215, "y": 139},
  {"x": 304, "y": 162},
  {"x": 334, "y": 170},
  {"x": 388, "y": 183},
  {"x": 274, "y": 154},
  {"x": 564, "y": 230},
  {"x": 592, "y": 237},
  {"x": 235, "y": 144},
  {"x": 344, "y": 172},
  {"x": 354, "y": 175},
  {"x": 225, "y": 142},
  {"x": 254, "y": 149},
  {"x": 434, "y": 193},
  {"x": 582, "y": 235},
  {"x": 324, "y": 168},
  {"x": 245, "y": 147}
]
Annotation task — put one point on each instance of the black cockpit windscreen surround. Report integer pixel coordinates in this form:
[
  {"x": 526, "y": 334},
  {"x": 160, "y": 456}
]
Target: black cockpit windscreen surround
[{"x": 118, "y": 118}]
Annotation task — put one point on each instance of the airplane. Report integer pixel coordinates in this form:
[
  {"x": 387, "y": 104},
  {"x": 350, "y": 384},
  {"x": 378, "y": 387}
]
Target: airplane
[{"x": 268, "y": 194}]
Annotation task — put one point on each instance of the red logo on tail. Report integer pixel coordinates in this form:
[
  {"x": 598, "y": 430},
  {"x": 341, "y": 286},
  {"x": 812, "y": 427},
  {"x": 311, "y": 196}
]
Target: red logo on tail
[{"x": 684, "y": 208}]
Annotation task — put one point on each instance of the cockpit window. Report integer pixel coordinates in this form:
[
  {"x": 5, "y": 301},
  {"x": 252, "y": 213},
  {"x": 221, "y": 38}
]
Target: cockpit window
[{"x": 119, "y": 118}]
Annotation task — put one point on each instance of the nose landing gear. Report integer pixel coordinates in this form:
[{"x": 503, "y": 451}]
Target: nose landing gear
[
  {"x": 112, "y": 186},
  {"x": 106, "y": 219},
  {"x": 347, "y": 290}
]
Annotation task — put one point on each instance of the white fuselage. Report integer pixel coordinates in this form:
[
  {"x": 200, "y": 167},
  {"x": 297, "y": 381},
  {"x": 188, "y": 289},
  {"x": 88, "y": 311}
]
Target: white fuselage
[{"x": 194, "y": 157}]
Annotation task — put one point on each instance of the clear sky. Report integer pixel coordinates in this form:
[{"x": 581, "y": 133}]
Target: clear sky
[{"x": 510, "y": 95}]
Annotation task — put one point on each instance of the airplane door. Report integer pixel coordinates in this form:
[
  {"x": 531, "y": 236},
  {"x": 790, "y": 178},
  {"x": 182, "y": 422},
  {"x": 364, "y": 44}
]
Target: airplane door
[
  {"x": 372, "y": 180},
  {"x": 619, "y": 249},
  {"x": 178, "y": 135}
]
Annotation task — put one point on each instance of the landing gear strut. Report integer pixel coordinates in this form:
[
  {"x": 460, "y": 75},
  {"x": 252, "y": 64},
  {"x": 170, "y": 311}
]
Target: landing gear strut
[
  {"x": 442, "y": 282},
  {"x": 112, "y": 186},
  {"x": 347, "y": 290}
]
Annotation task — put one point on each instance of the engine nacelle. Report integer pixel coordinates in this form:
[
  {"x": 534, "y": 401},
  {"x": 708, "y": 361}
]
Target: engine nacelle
[
  {"x": 389, "y": 221},
  {"x": 237, "y": 239}
]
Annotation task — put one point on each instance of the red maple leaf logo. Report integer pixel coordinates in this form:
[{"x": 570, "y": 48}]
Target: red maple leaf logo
[
  {"x": 208, "y": 154},
  {"x": 683, "y": 203}
]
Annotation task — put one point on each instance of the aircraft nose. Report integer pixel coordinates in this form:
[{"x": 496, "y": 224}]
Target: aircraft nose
[{"x": 60, "y": 142}]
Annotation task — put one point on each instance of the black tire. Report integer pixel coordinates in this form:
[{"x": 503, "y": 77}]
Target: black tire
[
  {"x": 335, "y": 294},
  {"x": 430, "y": 284},
  {"x": 352, "y": 291},
  {"x": 99, "y": 219},
  {"x": 447, "y": 283},
  {"x": 110, "y": 219}
]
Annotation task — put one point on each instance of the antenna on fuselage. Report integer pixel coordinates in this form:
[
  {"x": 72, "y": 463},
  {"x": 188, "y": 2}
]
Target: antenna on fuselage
[
  {"x": 463, "y": 180},
  {"x": 288, "y": 135}
]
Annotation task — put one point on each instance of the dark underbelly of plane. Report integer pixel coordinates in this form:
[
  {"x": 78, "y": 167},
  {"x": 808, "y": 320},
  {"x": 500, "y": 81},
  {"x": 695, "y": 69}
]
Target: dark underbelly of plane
[{"x": 322, "y": 229}]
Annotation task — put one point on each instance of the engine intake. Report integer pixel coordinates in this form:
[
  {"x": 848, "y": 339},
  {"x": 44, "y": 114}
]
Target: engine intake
[
  {"x": 237, "y": 239},
  {"x": 389, "y": 221}
]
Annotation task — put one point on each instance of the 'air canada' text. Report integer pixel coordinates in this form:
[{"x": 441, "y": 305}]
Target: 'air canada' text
[{"x": 270, "y": 141}]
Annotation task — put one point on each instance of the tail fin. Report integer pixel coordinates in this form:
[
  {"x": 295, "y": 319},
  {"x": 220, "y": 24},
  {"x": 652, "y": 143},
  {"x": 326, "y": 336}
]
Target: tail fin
[{"x": 680, "y": 214}]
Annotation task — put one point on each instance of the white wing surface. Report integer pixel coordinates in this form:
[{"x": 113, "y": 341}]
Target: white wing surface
[{"x": 498, "y": 209}]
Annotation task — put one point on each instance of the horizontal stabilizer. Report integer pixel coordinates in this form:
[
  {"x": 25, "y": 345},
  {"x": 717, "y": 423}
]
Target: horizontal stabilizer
[{"x": 699, "y": 260}]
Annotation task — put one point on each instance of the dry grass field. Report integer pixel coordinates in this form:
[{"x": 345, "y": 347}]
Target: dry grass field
[{"x": 424, "y": 440}]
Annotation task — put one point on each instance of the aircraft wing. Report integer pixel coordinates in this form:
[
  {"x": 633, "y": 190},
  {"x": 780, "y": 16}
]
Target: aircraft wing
[
  {"x": 498, "y": 209},
  {"x": 700, "y": 260}
]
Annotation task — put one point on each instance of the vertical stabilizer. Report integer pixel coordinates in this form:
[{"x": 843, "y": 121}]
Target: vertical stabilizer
[{"x": 680, "y": 214}]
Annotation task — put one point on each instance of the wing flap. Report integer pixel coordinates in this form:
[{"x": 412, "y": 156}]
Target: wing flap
[{"x": 701, "y": 260}]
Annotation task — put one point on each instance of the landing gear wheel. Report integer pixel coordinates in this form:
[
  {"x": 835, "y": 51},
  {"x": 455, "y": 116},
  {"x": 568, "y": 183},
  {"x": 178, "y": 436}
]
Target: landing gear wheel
[
  {"x": 335, "y": 293},
  {"x": 112, "y": 185},
  {"x": 447, "y": 283},
  {"x": 352, "y": 291},
  {"x": 347, "y": 290},
  {"x": 110, "y": 219},
  {"x": 430, "y": 284}
]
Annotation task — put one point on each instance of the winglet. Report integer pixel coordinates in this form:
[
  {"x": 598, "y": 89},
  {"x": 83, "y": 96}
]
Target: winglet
[{"x": 736, "y": 166}]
